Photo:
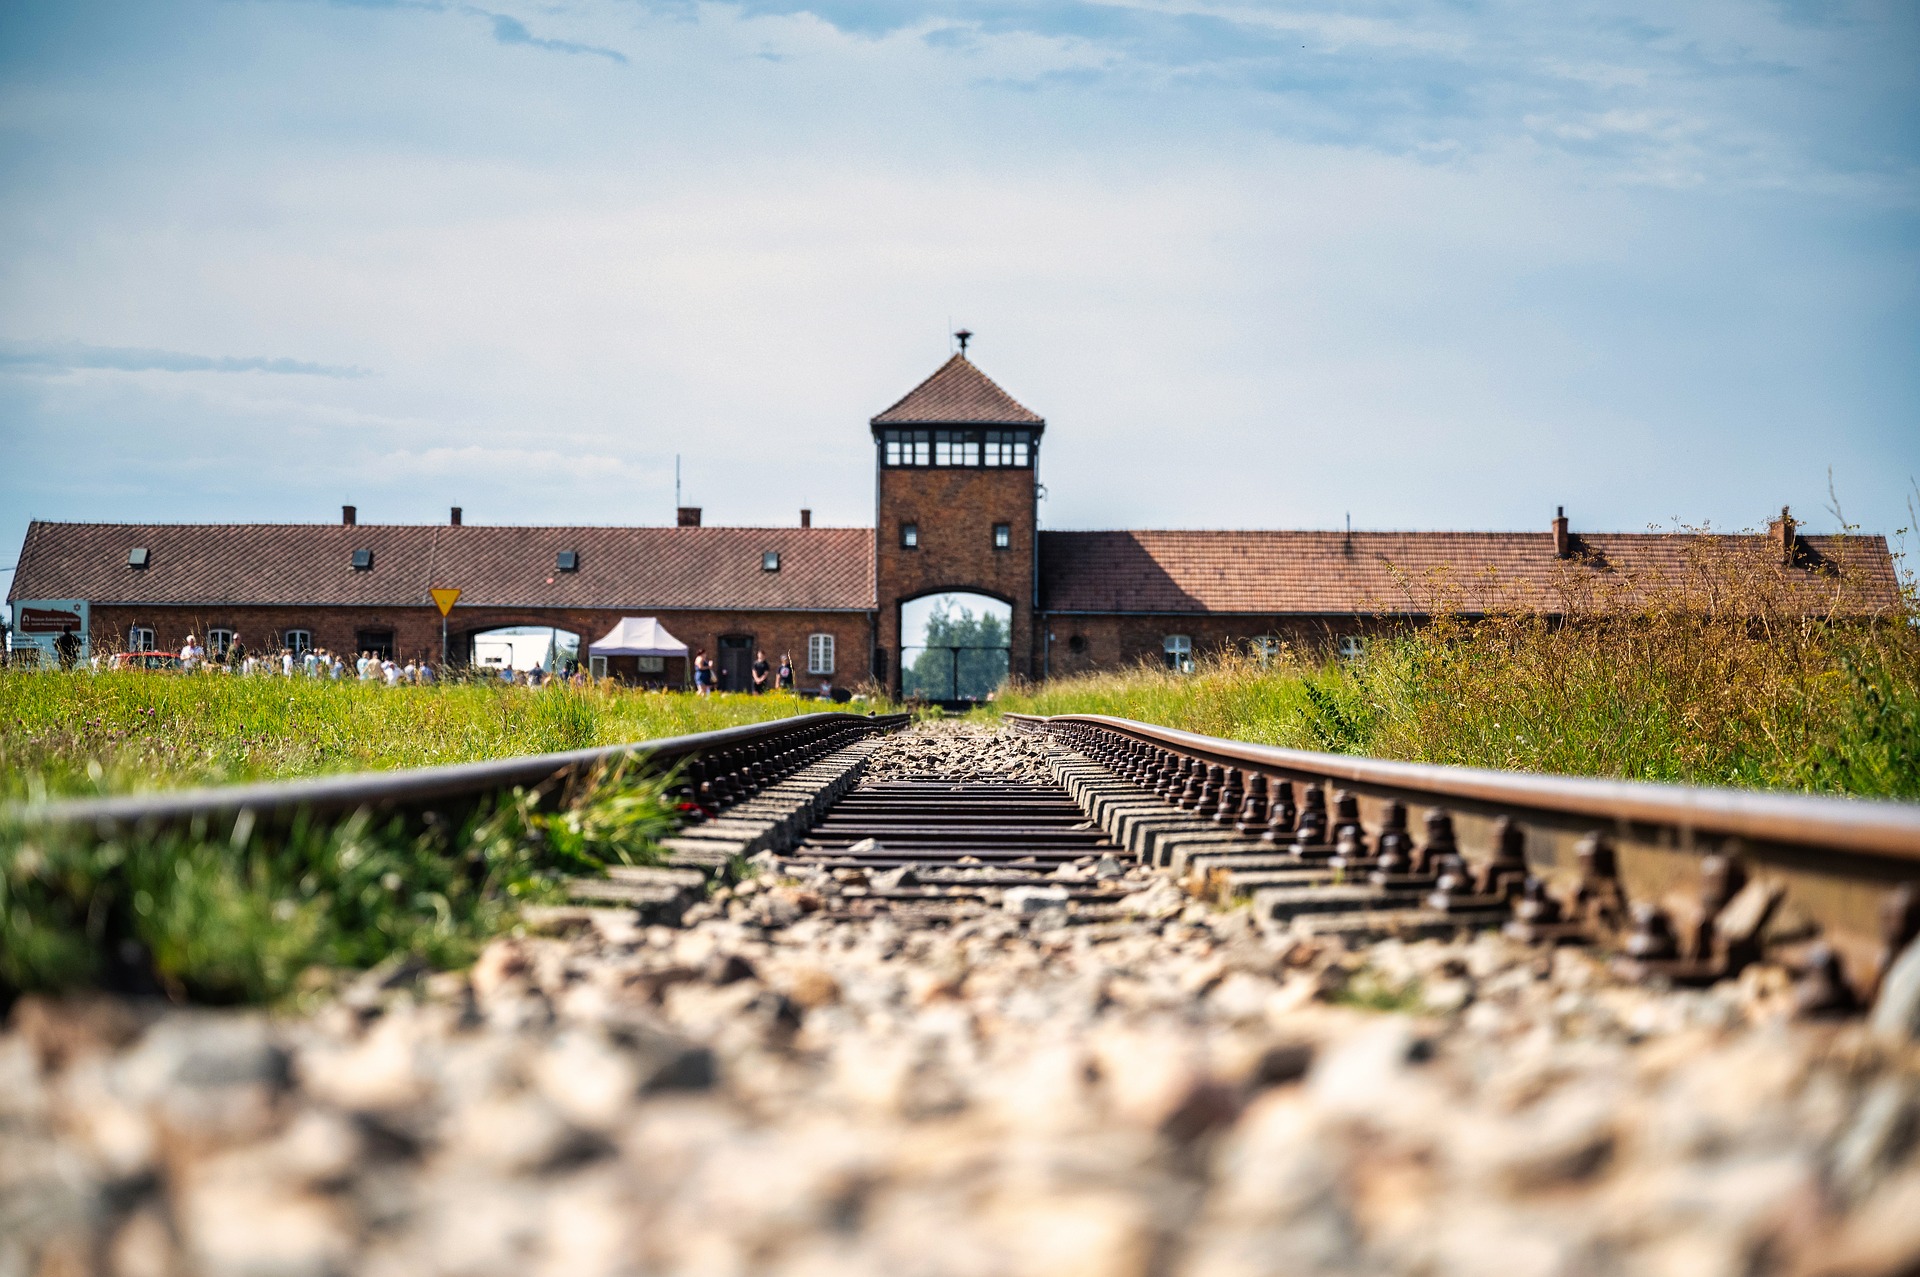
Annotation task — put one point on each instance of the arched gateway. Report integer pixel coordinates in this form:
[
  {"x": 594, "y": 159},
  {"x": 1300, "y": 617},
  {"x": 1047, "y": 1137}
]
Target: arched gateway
[{"x": 957, "y": 462}]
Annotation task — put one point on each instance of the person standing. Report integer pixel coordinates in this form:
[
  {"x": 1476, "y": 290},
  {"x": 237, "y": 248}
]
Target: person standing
[
  {"x": 702, "y": 673},
  {"x": 192, "y": 654},
  {"x": 762, "y": 672},
  {"x": 68, "y": 648},
  {"x": 784, "y": 680},
  {"x": 237, "y": 656}
]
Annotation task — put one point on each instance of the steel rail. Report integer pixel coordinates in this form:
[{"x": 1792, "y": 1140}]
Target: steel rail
[
  {"x": 427, "y": 787},
  {"x": 1872, "y": 827}
]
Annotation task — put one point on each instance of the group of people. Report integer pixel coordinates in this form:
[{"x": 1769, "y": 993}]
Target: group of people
[
  {"x": 706, "y": 677},
  {"x": 317, "y": 662}
]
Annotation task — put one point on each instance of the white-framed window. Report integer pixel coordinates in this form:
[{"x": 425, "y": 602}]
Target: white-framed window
[
  {"x": 1265, "y": 648},
  {"x": 140, "y": 639},
  {"x": 1008, "y": 447},
  {"x": 819, "y": 653},
  {"x": 909, "y": 536},
  {"x": 1178, "y": 650},
  {"x": 218, "y": 641},
  {"x": 1002, "y": 536},
  {"x": 909, "y": 447},
  {"x": 597, "y": 666},
  {"x": 1352, "y": 647},
  {"x": 301, "y": 641}
]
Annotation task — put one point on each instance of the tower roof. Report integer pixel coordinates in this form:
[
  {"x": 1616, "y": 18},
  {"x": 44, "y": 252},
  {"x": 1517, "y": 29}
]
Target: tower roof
[{"x": 958, "y": 394}]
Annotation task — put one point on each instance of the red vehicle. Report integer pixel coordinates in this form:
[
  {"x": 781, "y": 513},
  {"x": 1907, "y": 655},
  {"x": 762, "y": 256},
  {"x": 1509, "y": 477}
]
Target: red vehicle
[{"x": 146, "y": 661}]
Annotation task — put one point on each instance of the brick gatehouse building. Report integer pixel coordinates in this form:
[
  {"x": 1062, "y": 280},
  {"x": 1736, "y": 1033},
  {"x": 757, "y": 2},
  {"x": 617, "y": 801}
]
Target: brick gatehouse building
[{"x": 956, "y": 487}]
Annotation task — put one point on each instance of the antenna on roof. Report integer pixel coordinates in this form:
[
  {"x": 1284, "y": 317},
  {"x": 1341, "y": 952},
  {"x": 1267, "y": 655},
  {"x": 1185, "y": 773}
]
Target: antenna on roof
[
  {"x": 964, "y": 337},
  {"x": 676, "y": 481}
]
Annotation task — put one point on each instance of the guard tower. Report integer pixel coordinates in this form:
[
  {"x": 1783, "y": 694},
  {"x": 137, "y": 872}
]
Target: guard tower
[{"x": 956, "y": 491}]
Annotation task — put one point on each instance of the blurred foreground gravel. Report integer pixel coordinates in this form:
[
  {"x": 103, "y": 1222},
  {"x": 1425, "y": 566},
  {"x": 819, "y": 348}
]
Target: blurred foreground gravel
[{"x": 768, "y": 1089}]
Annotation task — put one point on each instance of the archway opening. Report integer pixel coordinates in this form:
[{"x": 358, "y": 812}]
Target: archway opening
[
  {"x": 523, "y": 648},
  {"x": 955, "y": 647}
]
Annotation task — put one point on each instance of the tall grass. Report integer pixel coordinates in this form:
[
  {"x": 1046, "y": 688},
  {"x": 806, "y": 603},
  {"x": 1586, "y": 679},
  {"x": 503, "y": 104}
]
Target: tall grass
[
  {"x": 1720, "y": 673},
  {"x": 79, "y": 733},
  {"x": 254, "y": 917}
]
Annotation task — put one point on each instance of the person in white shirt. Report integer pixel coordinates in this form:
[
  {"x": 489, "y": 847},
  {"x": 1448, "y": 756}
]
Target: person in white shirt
[
  {"x": 192, "y": 654},
  {"x": 366, "y": 666},
  {"x": 310, "y": 663},
  {"x": 286, "y": 662}
]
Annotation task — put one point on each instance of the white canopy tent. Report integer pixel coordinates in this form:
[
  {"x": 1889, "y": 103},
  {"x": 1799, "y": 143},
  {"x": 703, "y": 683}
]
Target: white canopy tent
[
  {"x": 637, "y": 636},
  {"x": 640, "y": 636}
]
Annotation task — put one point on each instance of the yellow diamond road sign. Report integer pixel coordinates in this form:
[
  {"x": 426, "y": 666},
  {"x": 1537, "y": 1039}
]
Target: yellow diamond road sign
[{"x": 445, "y": 599}]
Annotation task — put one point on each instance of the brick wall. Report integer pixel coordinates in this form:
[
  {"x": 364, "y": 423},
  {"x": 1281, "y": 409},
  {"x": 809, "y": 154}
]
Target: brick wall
[
  {"x": 955, "y": 510},
  {"x": 1111, "y": 642},
  {"x": 416, "y": 631}
]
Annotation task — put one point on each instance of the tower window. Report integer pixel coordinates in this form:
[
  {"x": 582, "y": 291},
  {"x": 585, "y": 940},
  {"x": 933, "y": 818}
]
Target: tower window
[
  {"x": 968, "y": 448},
  {"x": 908, "y": 447},
  {"x": 1008, "y": 448},
  {"x": 909, "y": 536},
  {"x": 1002, "y": 536}
]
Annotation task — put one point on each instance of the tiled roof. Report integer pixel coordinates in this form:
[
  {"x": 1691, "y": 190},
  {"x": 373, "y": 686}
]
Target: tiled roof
[
  {"x": 278, "y": 563},
  {"x": 958, "y": 394},
  {"x": 1337, "y": 574}
]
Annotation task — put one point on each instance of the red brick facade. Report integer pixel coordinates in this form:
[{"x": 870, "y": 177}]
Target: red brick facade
[
  {"x": 416, "y": 631},
  {"x": 955, "y": 458},
  {"x": 954, "y": 512},
  {"x": 1079, "y": 643}
]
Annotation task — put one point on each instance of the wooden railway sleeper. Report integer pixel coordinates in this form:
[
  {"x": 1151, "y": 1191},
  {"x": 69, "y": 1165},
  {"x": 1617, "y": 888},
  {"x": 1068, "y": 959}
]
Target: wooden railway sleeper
[{"x": 1727, "y": 931}]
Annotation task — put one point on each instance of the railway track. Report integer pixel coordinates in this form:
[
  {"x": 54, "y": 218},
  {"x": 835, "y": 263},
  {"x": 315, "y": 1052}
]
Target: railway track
[
  {"x": 1678, "y": 885},
  {"x": 983, "y": 989}
]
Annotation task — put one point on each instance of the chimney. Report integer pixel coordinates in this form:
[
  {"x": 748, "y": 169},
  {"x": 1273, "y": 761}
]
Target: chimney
[
  {"x": 689, "y": 516},
  {"x": 1562, "y": 542},
  {"x": 1781, "y": 533},
  {"x": 454, "y": 521},
  {"x": 348, "y": 516},
  {"x": 806, "y": 518}
]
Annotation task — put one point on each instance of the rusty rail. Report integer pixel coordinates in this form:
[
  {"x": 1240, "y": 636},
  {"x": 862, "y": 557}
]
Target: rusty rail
[
  {"x": 1829, "y": 885},
  {"x": 721, "y": 767}
]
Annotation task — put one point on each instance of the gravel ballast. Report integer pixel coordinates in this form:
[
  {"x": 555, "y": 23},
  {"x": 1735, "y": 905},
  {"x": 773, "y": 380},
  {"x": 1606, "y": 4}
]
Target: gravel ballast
[{"x": 775, "y": 1088}]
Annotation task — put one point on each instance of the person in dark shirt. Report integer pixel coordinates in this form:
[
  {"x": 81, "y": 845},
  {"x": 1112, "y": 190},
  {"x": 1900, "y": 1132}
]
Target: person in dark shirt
[
  {"x": 785, "y": 679},
  {"x": 68, "y": 646},
  {"x": 762, "y": 673}
]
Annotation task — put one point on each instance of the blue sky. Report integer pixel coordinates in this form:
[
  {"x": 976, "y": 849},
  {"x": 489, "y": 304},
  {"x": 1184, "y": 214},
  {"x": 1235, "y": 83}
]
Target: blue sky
[{"x": 1427, "y": 263}]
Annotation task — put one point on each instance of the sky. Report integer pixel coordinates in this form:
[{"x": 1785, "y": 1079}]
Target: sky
[{"x": 1413, "y": 263}]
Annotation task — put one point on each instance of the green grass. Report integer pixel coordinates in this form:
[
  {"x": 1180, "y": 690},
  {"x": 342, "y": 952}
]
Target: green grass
[
  {"x": 1717, "y": 678},
  {"x": 247, "y": 918},
  {"x": 68, "y": 734}
]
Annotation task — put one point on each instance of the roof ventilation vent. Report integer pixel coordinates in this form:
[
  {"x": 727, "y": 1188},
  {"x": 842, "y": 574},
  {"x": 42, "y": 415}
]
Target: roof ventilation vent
[
  {"x": 137, "y": 558},
  {"x": 363, "y": 560},
  {"x": 567, "y": 561}
]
